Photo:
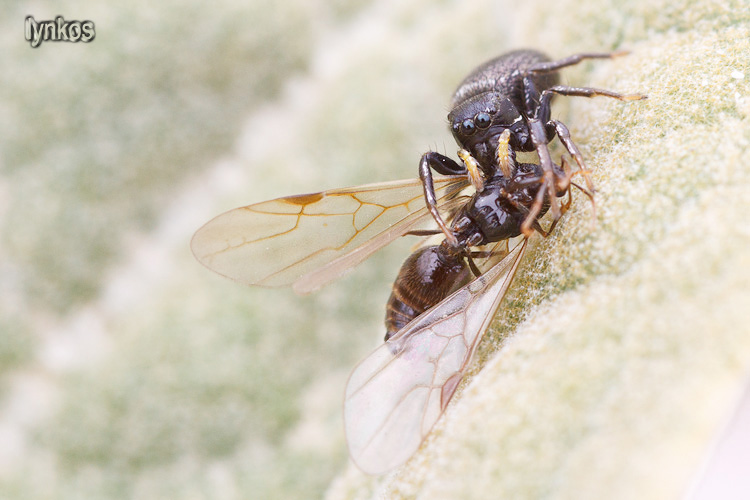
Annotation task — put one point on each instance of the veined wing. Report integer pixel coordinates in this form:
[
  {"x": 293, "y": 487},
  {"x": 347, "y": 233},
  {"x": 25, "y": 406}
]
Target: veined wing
[
  {"x": 396, "y": 394},
  {"x": 309, "y": 240}
]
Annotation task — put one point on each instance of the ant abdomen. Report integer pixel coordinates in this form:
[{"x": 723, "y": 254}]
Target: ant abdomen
[{"x": 428, "y": 276}]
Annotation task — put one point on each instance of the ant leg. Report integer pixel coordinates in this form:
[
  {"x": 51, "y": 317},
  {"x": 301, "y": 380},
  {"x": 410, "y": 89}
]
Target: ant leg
[
  {"x": 562, "y": 187},
  {"x": 474, "y": 269},
  {"x": 565, "y": 187},
  {"x": 591, "y": 199},
  {"x": 552, "y": 227},
  {"x": 443, "y": 165},
  {"x": 530, "y": 223},
  {"x": 485, "y": 254},
  {"x": 567, "y": 176},
  {"x": 539, "y": 229},
  {"x": 422, "y": 232},
  {"x": 548, "y": 67}
]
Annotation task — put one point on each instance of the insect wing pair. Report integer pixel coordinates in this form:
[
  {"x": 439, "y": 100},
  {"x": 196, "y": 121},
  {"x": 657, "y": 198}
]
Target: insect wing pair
[
  {"x": 309, "y": 240},
  {"x": 395, "y": 395}
]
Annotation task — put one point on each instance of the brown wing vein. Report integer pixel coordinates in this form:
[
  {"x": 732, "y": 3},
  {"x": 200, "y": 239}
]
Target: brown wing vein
[{"x": 302, "y": 213}]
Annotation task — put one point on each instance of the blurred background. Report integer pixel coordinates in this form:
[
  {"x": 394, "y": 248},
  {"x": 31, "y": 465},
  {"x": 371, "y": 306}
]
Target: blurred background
[{"x": 127, "y": 370}]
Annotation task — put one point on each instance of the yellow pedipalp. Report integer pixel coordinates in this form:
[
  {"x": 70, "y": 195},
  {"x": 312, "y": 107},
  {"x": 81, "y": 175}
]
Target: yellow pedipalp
[
  {"x": 475, "y": 174},
  {"x": 503, "y": 153}
]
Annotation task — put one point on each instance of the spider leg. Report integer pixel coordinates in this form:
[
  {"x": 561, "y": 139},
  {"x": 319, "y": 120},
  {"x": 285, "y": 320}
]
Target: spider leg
[
  {"x": 562, "y": 131},
  {"x": 548, "y": 67},
  {"x": 537, "y": 114},
  {"x": 539, "y": 139},
  {"x": 564, "y": 134},
  {"x": 444, "y": 165},
  {"x": 591, "y": 92}
]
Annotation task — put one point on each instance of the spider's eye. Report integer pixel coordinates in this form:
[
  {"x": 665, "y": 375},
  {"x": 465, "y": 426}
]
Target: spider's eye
[
  {"x": 468, "y": 127},
  {"x": 456, "y": 126},
  {"x": 483, "y": 120}
]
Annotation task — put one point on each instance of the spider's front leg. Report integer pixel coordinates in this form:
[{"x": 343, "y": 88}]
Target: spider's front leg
[
  {"x": 537, "y": 111},
  {"x": 542, "y": 102},
  {"x": 442, "y": 165},
  {"x": 562, "y": 131}
]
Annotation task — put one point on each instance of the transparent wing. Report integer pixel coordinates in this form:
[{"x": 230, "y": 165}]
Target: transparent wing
[
  {"x": 396, "y": 394},
  {"x": 309, "y": 240}
]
